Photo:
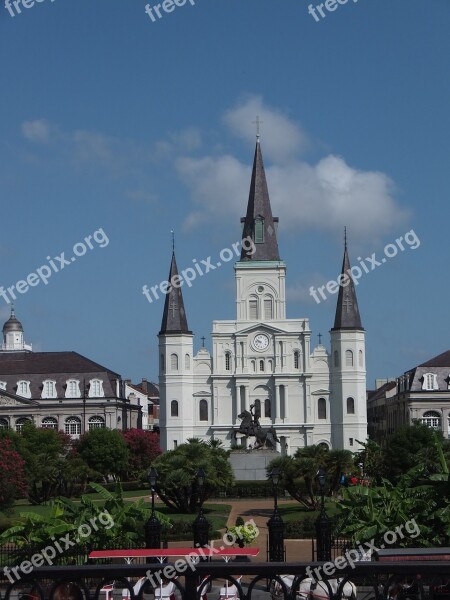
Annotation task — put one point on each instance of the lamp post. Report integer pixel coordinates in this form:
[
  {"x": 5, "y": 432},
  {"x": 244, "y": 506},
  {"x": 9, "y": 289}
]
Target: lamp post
[
  {"x": 275, "y": 524},
  {"x": 201, "y": 525},
  {"x": 153, "y": 525},
  {"x": 323, "y": 524}
]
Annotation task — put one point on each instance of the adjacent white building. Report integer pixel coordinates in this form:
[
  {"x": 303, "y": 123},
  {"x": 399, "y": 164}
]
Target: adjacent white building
[{"x": 262, "y": 358}]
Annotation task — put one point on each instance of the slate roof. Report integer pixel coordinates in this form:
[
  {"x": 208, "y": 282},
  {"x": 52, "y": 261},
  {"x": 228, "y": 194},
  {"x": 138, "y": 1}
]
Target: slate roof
[
  {"x": 347, "y": 311},
  {"x": 259, "y": 206},
  {"x": 35, "y": 367},
  {"x": 441, "y": 360},
  {"x": 174, "y": 316}
]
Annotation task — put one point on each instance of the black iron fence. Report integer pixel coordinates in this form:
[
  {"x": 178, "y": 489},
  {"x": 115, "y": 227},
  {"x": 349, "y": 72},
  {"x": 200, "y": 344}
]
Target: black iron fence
[{"x": 420, "y": 580}]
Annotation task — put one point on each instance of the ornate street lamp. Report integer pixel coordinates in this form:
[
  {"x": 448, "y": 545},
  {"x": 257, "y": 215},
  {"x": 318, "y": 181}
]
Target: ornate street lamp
[
  {"x": 153, "y": 525},
  {"x": 275, "y": 524},
  {"x": 323, "y": 523},
  {"x": 201, "y": 524}
]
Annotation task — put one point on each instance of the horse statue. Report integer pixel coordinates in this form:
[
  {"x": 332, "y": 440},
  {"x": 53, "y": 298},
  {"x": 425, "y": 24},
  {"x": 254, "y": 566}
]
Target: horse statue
[{"x": 250, "y": 427}]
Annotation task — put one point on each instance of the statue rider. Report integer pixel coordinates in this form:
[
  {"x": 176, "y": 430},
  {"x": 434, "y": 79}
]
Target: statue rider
[{"x": 255, "y": 416}]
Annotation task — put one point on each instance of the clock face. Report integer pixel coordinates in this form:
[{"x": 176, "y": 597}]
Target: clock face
[{"x": 260, "y": 342}]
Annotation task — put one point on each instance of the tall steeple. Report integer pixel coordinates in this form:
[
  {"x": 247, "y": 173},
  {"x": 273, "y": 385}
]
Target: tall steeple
[
  {"x": 259, "y": 225},
  {"x": 174, "y": 316},
  {"x": 347, "y": 311}
]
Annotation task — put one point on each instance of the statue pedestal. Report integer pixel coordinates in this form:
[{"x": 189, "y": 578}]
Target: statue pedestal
[{"x": 251, "y": 465}]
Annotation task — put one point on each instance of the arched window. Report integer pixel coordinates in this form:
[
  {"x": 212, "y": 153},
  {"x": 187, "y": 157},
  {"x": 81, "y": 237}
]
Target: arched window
[
  {"x": 349, "y": 358},
  {"x": 267, "y": 408},
  {"x": 261, "y": 365},
  {"x": 49, "y": 423},
  {"x": 322, "y": 408},
  {"x": 187, "y": 362},
  {"x": 72, "y": 426},
  {"x": 336, "y": 358},
  {"x": 268, "y": 308},
  {"x": 20, "y": 423},
  {"x": 270, "y": 365},
  {"x": 431, "y": 419},
  {"x": 227, "y": 361},
  {"x": 350, "y": 406},
  {"x": 259, "y": 230},
  {"x": 257, "y": 408},
  {"x": 203, "y": 410},
  {"x": 162, "y": 362},
  {"x": 96, "y": 423},
  {"x": 4, "y": 424},
  {"x": 361, "y": 358},
  {"x": 174, "y": 408},
  {"x": 254, "y": 366},
  {"x": 296, "y": 359},
  {"x": 253, "y": 308},
  {"x": 174, "y": 362}
]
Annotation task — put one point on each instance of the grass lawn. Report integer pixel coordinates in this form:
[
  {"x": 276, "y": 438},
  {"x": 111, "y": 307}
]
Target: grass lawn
[{"x": 295, "y": 512}]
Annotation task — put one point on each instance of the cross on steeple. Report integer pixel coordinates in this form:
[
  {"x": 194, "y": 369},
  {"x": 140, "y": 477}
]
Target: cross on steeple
[
  {"x": 257, "y": 123},
  {"x": 173, "y": 307},
  {"x": 320, "y": 339},
  {"x": 172, "y": 231},
  {"x": 203, "y": 341},
  {"x": 347, "y": 303}
]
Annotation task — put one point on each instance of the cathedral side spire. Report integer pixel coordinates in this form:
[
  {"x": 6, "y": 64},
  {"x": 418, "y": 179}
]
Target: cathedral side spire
[
  {"x": 347, "y": 311},
  {"x": 174, "y": 316},
  {"x": 259, "y": 224}
]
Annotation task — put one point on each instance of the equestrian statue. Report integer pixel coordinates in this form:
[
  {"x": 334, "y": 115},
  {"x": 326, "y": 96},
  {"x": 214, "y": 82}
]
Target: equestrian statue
[{"x": 250, "y": 427}]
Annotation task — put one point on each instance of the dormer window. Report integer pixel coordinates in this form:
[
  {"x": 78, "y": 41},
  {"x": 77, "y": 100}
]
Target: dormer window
[
  {"x": 96, "y": 388},
  {"x": 49, "y": 389},
  {"x": 430, "y": 382},
  {"x": 73, "y": 388},
  {"x": 23, "y": 389},
  {"x": 2, "y": 385},
  {"x": 259, "y": 230}
]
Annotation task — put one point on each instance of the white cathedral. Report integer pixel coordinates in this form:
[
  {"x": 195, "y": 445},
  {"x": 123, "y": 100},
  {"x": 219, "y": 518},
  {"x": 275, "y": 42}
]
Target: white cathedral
[{"x": 262, "y": 360}]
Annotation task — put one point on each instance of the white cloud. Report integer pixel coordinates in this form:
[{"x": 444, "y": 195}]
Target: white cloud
[
  {"x": 282, "y": 138},
  {"x": 36, "y": 131},
  {"x": 325, "y": 196}
]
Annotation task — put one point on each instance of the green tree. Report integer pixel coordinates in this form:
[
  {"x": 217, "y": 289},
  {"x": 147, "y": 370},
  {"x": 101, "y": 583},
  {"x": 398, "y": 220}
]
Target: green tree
[
  {"x": 177, "y": 469},
  {"x": 104, "y": 451},
  {"x": 44, "y": 452},
  {"x": 298, "y": 473}
]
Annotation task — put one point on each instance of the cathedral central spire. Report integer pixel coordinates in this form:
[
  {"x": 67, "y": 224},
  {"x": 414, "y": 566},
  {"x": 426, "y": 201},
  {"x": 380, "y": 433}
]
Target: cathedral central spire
[{"x": 259, "y": 225}]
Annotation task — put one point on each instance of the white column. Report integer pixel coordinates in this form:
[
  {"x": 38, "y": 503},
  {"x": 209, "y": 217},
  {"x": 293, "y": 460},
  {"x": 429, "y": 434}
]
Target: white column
[
  {"x": 247, "y": 398},
  {"x": 277, "y": 403},
  {"x": 286, "y": 402}
]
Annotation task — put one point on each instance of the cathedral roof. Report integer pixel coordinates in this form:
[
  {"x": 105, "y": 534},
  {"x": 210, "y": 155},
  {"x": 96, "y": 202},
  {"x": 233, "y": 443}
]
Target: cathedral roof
[
  {"x": 259, "y": 225},
  {"x": 442, "y": 360},
  {"x": 174, "y": 317},
  {"x": 347, "y": 311}
]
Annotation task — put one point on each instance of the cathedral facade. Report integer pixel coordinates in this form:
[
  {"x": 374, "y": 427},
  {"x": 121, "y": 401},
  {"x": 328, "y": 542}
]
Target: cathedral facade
[{"x": 262, "y": 363}]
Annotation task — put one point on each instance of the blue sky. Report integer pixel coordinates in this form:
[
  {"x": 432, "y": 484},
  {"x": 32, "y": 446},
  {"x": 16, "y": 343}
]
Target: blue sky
[{"x": 109, "y": 120}]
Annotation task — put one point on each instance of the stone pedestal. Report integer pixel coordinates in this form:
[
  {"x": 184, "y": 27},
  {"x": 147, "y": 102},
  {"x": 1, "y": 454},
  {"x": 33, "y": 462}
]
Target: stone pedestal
[{"x": 251, "y": 465}]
